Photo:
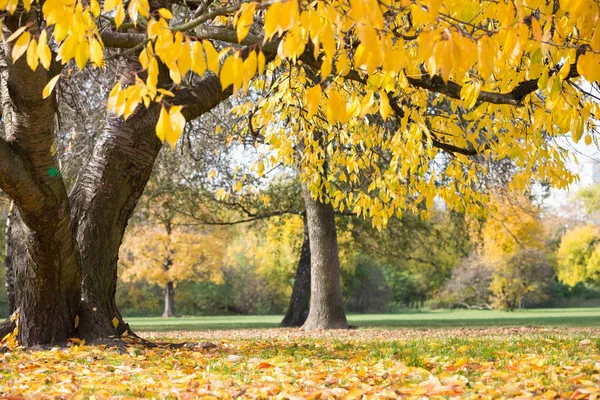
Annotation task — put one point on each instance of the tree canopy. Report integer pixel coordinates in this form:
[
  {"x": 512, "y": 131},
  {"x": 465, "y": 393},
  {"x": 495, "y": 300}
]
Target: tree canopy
[{"x": 452, "y": 85}]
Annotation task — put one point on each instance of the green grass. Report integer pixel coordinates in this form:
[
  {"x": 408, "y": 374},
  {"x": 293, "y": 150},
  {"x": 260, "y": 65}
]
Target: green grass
[{"x": 558, "y": 317}]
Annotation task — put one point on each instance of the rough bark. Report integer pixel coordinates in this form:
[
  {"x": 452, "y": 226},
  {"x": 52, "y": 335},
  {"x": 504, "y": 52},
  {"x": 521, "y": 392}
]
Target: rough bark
[
  {"x": 46, "y": 261},
  {"x": 8, "y": 260},
  {"x": 326, "y": 307},
  {"x": 169, "y": 300},
  {"x": 300, "y": 301},
  {"x": 103, "y": 200},
  {"x": 105, "y": 197}
]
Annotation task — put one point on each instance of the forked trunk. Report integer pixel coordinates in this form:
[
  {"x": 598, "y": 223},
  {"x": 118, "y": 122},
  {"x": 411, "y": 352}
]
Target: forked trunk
[
  {"x": 169, "y": 300},
  {"x": 326, "y": 307},
  {"x": 300, "y": 300}
]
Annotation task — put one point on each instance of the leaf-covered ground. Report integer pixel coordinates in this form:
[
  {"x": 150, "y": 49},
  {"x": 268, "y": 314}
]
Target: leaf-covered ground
[{"x": 291, "y": 364}]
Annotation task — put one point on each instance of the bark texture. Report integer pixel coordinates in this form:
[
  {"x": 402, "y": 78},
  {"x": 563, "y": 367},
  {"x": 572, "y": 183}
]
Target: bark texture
[
  {"x": 169, "y": 300},
  {"x": 300, "y": 301},
  {"x": 103, "y": 200},
  {"x": 46, "y": 261},
  {"x": 8, "y": 260},
  {"x": 326, "y": 307}
]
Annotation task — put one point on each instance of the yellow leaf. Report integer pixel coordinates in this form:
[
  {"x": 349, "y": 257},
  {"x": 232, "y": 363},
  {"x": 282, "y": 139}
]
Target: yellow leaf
[
  {"x": 115, "y": 322},
  {"x": 96, "y": 55},
  {"x": 564, "y": 70},
  {"x": 212, "y": 57},
  {"x": 109, "y": 5},
  {"x": 16, "y": 34},
  {"x": 50, "y": 86},
  {"x": 20, "y": 46},
  {"x": 95, "y": 8},
  {"x": 384, "y": 105},
  {"x": 82, "y": 54},
  {"x": 243, "y": 20},
  {"x": 198, "y": 61},
  {"x": 170, "y": 125},
  {"x": 119, "y": 15},
  {"x": 313, "y": 98},
  {"x": 588, "y": 139},
  {"x": 261, "y": 63},
  {"x": 272, "y": 20},
  {"x": 43, "y": 50},
  {"x": 226, "y": 74},
  {"x": 166, "y": 14},
  {"x": 177, "y": 125},
  {"x": 32, "y": 57},
  {"x": 111, "y": 103}
]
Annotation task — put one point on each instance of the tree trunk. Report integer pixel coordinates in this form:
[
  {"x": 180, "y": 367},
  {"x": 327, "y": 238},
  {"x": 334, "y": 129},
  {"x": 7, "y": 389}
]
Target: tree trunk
[
  {"x": 103, "y": 200},
  {"x": 8, "y": 260},
  {"x": 169, "y": 300},
  {"x": 46, "y": 261},
  {"x": 299, "y": 303},
  {"x": 326, "y": 307}
]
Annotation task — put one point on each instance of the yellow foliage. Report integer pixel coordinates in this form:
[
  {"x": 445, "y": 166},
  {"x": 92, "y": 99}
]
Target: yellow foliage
[
  {"x": 153, "y": 254},
  {"x": 514, "y": 226},
  {"x": 578, "y": 257},
  {"x": 428, "y": 64}
]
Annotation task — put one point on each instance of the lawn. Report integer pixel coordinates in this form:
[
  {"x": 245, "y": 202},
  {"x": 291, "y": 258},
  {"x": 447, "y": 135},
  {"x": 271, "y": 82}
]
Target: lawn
[
  {"x": 538, "y": 363},
  {"x": 566, "y": 317},
  {"x": 478, "y": 354}
]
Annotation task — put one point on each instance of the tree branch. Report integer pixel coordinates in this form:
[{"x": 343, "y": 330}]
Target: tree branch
[
  {"x": 515, "y": 97},
  {"x": 17, "y": 181}
]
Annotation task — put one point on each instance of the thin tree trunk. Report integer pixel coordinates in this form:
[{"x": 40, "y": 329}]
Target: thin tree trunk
[
  {"x": 8, "y": 260},
  {"x": 300, "y": 301},
  {"x": 169, "y": 300},
  {"x": 326, "y": 307}
]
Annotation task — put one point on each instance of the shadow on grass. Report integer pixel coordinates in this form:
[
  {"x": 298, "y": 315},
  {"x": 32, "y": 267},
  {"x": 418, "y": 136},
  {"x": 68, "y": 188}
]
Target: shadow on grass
[{"x": 425, "y": 320}]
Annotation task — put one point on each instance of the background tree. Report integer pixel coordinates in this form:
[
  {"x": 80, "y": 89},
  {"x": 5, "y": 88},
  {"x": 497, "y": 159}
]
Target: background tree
[
  {"x": 578, "y": 257},
  {"x": 169, "y": 255}
]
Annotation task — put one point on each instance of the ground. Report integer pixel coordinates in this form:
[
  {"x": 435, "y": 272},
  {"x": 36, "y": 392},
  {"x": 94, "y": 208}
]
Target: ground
[{"x": 290, "y": 363}]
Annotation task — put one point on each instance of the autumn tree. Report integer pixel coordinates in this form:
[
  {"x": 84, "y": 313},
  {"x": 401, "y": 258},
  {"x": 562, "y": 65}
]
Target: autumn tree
[
  {"x": 513, "y": 71},
  {"x": 167, "y": 255},
  {"x": 515, "y": 246},
  {"x": 578, "y": 257}
]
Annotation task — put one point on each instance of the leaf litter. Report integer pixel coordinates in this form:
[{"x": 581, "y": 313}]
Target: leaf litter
[{"x": 293, "y": 364}]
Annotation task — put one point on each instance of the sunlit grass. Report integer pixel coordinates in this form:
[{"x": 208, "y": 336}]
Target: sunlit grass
[{"x": 565, "y": 317}]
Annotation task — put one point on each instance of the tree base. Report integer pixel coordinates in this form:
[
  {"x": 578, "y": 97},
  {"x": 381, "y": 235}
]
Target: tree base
[
  {"x": 293, "y": 321},
  {"x": 7, "y": 327},
  {"x": 325, "y": 323}
]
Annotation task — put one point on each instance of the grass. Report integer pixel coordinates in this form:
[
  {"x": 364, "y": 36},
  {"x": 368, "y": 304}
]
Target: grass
[
  {"x": 558, "y": 317},
  {"x": 493, "y": 363}
]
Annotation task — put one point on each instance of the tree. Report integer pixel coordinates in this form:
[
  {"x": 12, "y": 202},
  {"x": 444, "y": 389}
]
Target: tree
[
  {"x": 395, "y": 61},
  {"x": 514, "y": 245},
  {"x": 578, "y": 257},
  {"x": 166, "y": 257},
  {"x": 298, "y": 308}
]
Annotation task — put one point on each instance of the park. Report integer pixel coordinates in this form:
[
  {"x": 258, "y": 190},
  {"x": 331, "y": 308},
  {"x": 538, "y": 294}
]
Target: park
[{"x": 300, "y": 199}]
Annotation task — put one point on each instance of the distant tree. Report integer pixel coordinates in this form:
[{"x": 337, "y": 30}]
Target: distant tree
[
  {"x": 590, "y": 197},
  {"x": 578, "y": 257},
  {"x": 523, "y": 275},
  {"x": 514, "y": 242},
  {"x": 469, "y": 285},
  {"x": 167, "y": 257}
]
